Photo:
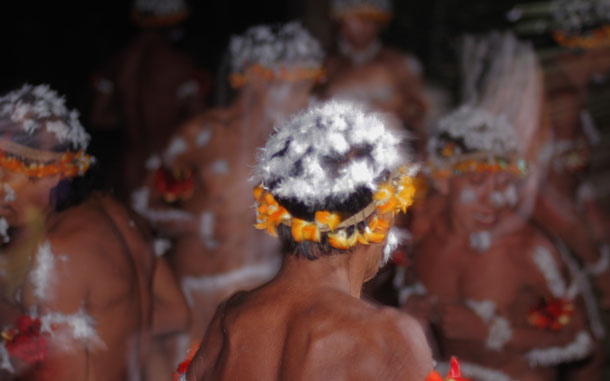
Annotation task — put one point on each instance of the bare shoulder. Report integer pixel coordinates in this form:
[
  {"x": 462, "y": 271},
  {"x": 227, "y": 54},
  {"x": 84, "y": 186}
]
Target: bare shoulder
[
  {"x": 88, "y": 230},
  {"x": 355, "y": 338}
]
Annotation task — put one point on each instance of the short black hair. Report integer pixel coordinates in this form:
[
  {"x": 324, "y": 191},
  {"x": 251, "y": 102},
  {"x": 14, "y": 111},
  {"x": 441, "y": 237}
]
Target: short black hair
[
  {"x": 71, "y": 192},
  {"x": 314, "y": 250}
]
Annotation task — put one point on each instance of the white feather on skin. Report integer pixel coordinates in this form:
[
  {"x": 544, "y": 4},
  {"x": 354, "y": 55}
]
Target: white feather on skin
[
  {"x": 42, "y": 275},
  {"x": 578, "y": 349},
  {"x": 329, "y": 130},
  {"x": 4, "y": 230},
  {"x": 81, "y": 327},
  {"x": 5, "y": 359},
  {"x": 9, "y": 193}
]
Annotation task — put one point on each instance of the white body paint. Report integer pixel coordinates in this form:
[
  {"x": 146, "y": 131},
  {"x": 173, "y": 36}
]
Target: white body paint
[
  {"x": 208, "y": 224},
  {"x": 203, "y": 137},
  {"x": 220, "y": 167},
  {"x": 550, "y": 270},
  {"x": 602, "y": 265},
  {"x": 252, "y": 275},
  {"x": 140, "y": 203},
  {"x": 153, "y": 162},
  {"x": 4, "y": 237},
  {"x": 5, "y": 360},
  {"x": 9, "y": 193},
  {"x": 480, "y": 241},
  {"x": 177, "y": 147},
  {"x": 500, "y": 331},
  {"x": 81, "y": 327},
  {"x": 42, "y": 275},
  {"x": 467, "y": 196},
  {"x": 161, "y": 246},
  {"x": 576, "y": 350}
]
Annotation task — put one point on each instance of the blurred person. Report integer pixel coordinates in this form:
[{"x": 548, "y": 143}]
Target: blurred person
[
  {"x": 147, "y": 90},
  {"x": 366, "y": 71},
  {"x": 77, "y": 273},
  {"x": 567, "y": 207},
  {"x": 197, "y": 192},
  {"x": 332, "y": 179},
  {"x": 494, "y": 288}
]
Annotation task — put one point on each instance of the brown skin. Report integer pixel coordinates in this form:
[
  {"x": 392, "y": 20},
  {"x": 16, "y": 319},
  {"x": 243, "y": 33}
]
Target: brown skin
[
  {"x": 453, "y": 272},
  {"x": 387, "y": 78},
  {"x": 147, "y": 75},
  {"x": 308, "y": 323},
  {"x": 236, "y": 134},
  {"x": 556, "y": 208},
  {"x": 98, "y": 234}
]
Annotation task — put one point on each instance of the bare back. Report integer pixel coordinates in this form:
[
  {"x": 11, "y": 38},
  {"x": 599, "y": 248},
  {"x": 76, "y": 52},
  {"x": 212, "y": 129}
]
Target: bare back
[
  {"x": 271, "y": 333},
  {"x": 102, "y": 268}
]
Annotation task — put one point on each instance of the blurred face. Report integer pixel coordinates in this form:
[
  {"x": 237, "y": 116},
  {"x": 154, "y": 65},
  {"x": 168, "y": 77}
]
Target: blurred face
[
  {"x": 359, "y": 31},
  {"x": 286, "y": 98},
  {"x": 19, "y": 193},
  {"x": 479, "y": 200}
]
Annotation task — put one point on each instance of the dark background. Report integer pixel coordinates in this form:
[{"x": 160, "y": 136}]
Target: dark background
[{"x": 63, "y": 42}]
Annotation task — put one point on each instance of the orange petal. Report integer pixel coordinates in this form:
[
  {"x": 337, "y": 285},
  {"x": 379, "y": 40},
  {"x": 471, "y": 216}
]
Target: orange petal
[
  {"x": 389, "y": 206},
  {"x": 311, "y": 233},
  {"x": 338, "y": 241},
  {"x": 331, "y": 220},
  {"x": 258, "y": 191},
  {"x": 296, "y": 228}
]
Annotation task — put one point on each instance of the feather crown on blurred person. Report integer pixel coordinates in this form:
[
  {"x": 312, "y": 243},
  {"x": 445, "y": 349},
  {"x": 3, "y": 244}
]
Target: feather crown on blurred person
[
  {"x": 494, "y": 126},
  {"x": 576, "y": 24},
  {"x": 287, "y": 52},
  {"x": 40, "y": 136},
  {"x": 378, "y": 10}
]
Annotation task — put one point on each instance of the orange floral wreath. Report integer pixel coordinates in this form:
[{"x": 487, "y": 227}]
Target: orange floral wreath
[
  {"x": 238, "y": 80},
  {"x": 476, "y": 162},
  {"x": 393, "y": 196},
  {"x": 69, "y": 165},
  {"x": 600, "y": 37},
  {"x": 367, "y": 12}
]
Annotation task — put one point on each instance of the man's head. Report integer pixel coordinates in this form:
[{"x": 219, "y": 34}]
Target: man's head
[
  {"x": 361, "y": 21},
  {"x": 474, "y": 161},
  {"x": 159, "y": 13},
  {"x": 42, "y": 146},
  {"x": 331, "y": 180},
  {"x": 282, "y": 61}
]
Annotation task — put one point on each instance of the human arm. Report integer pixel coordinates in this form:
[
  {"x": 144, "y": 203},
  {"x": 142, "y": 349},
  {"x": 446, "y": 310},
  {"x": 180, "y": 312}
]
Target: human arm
[
  {"x": 559, "y": 216},
  {"x": 57, "y": 291},
  {"x": 170, "y": 310}
]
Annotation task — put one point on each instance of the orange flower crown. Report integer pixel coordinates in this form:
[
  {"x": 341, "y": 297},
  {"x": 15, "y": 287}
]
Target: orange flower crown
[
  {"x": 393, "y": 196},
  {"x": 598, "y": 38},
  {"x": 457, "y": 164},
  {"x": 367, "y": 12},
  {"x": 287, "y": 74},
  {"x": 37, "y": 164}
]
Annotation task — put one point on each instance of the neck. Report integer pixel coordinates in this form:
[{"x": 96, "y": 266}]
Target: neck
[
  {"x": 359, "y": 56},
  {"x": 340, "y": 272}
]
